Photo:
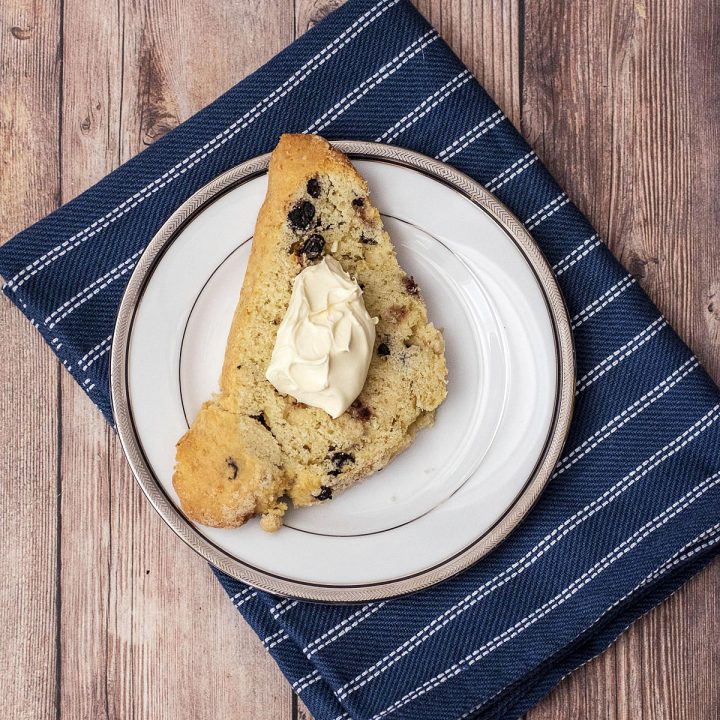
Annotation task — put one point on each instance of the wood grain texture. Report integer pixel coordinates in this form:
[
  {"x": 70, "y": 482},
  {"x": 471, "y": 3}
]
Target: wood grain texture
[
  {"x": 91, "y": 111},
  {"x": 138, "y": 613},
  {"x": 29, "y": 188},
  {"x": 619, "y": 99}
]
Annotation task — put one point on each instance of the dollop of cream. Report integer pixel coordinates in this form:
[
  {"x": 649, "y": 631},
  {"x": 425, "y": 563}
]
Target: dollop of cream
[{"x": 324, "y": 343}]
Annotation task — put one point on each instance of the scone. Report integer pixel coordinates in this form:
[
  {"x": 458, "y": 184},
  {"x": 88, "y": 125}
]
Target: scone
[{"x": 250, "y": 448}]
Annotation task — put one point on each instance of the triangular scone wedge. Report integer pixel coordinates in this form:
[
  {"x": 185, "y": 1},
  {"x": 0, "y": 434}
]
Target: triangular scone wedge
[{"x": 250, "y": 447}]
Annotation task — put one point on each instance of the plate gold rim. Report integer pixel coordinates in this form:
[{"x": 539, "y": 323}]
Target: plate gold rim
[{"x": 559, "y": 428}]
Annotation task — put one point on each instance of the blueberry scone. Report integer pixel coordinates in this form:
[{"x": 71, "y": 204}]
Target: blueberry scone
[{"x": 252, "y": 449}]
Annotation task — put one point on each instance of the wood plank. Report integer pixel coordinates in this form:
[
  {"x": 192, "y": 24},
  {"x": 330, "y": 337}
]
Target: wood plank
[
  {"x": 618, "y": 101},
  {"x": 147, "y": 631},
  {"x": 485, "y": 35},
  {"x": 29, "y": 188},
  {"x": 89, "y": 145}
]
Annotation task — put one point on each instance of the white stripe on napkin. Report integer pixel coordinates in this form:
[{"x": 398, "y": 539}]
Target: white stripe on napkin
[
  {"x": 603, "y": 301},
  {"x": 91, "y": 290},
  {"x": 533, "y": 158},
  {"x": 470, "y": 136},
  {"x": 612, "y": 426},
  {"x": 617, "y": 356},
  {"x": 569, "y": 260},
  {"x": 342, "y": 628},
  {"x": 679, "y": 557},
  {"x": 424, "y": 107},
  {"x": 390, "y": 68},
  {"x": 93, "y": 350},
  {"x": 512, "y": 632},
  {"x": 534, "y": 554}
]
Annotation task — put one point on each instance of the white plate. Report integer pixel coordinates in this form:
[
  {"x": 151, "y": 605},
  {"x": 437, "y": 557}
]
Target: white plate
[{"x": 464, "y": 483}]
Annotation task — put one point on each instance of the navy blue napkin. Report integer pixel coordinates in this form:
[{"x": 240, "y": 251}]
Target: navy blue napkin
[{"x": 633, "y": 508}]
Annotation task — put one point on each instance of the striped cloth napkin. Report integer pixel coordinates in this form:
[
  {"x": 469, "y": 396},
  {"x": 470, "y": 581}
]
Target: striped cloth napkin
[{"x": 633, "y": 508}]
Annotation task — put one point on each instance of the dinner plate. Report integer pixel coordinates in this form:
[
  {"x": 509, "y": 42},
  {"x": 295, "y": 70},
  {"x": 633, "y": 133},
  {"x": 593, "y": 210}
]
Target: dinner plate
[{"x": 464, "y": 483}]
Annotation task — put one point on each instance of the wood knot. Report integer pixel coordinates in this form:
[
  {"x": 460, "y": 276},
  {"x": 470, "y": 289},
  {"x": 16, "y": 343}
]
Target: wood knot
[
  {"x": 157, "y": 115},
  {"x": 321, "y": 9},
  {"x": 639, "y": 266},
  {"x": 20, "y": 33},
  {"x": 158, "y": 124},
  {"x": 713, "y": 306}
]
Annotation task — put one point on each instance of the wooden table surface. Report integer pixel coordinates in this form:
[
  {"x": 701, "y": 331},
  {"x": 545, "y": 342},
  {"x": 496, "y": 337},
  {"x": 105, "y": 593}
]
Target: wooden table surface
[{"x": 103, "y": 612}]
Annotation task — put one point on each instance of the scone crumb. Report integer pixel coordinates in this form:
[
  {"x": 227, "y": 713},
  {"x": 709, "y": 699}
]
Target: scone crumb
[{"x": 272, "y": 520}]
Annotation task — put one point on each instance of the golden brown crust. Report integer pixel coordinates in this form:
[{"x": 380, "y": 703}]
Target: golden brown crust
[
  {"x": 281, "y": 447},
  {"x": 220, "y": 483}
]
